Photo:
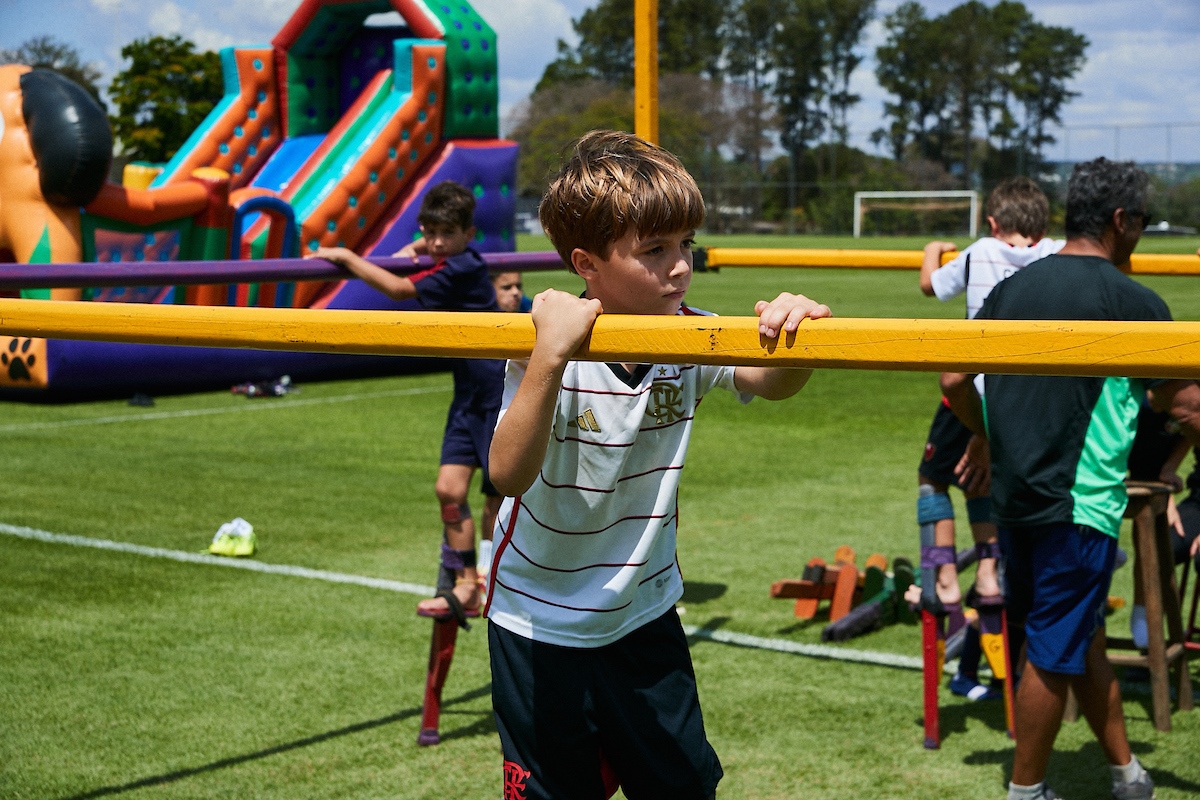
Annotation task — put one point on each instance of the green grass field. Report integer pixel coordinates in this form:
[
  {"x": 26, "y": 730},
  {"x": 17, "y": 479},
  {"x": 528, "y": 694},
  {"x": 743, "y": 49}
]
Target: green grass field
[{"x": 130, "y": 676}]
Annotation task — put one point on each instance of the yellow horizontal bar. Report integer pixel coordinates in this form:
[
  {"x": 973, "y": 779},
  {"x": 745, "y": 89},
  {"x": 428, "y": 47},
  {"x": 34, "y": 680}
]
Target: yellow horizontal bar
[
  {"x": 1136, "y": 349},
  {"x": 1143, "y": 264}
]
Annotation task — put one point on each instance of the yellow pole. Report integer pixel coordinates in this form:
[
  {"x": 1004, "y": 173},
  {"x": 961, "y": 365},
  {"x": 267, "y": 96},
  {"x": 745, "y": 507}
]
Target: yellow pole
[
  {"x": 1143, "y": 264},
  {"x": 1136, "y": 349},
  {"x": 645, "y": 69}
]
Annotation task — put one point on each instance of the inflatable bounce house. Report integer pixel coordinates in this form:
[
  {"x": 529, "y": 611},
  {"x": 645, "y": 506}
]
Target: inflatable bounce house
[{"x": 328, "y": 135}]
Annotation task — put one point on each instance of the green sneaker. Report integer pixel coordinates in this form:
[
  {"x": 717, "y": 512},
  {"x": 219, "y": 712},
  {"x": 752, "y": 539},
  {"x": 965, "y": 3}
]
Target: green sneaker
[{"x": 234, "y": 539}]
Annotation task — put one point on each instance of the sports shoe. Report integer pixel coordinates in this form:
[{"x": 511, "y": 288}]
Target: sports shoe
[
  {"x": 971, "y": 689},
  {"x": 234, "y": 538},
  {"x": 1141, "y": 789}
]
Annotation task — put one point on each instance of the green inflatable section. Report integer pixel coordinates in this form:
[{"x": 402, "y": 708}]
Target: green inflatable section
[
  {"x": 312, "y": 98},
  {"x": 472, "y": 91}
]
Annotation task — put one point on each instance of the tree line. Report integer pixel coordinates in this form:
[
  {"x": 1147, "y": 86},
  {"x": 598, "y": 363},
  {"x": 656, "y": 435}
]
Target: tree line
[{"x": 974, "y": 93}]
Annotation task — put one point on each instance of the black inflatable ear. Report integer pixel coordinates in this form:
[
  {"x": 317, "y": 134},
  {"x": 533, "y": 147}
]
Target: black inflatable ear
[{"x": 70, "y": 135}]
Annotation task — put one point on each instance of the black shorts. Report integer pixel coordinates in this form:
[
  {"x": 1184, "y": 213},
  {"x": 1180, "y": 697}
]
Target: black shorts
[
  {"x": 563, "y": 711},
  {"x": 467, "y": 439},
  {"x": 945, "y": 445}
]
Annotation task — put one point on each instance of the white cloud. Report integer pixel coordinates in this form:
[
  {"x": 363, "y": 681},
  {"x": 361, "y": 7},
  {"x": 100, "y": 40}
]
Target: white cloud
[{"x": 107, "y": 6}]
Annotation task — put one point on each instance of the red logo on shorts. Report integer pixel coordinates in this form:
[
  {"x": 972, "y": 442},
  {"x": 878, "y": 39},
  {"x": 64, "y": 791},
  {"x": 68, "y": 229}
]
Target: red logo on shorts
[
  {"x": 514, "y": 781},
  {"x": 929, "y": 451}
]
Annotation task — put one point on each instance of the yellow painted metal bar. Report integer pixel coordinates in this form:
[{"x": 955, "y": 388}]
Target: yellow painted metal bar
[
  {"x": 645, "y": 69},
  {"x": 1143, "y": 264},
  {"x": 1139, "y": 349}
]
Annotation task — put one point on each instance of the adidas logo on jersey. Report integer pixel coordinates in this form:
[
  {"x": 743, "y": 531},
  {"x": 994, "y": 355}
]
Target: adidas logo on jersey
[{"x": 585, "y": 422}]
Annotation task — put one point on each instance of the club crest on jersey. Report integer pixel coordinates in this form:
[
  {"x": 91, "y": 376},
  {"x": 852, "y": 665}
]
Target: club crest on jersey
[{"x": 666, "y": 402}]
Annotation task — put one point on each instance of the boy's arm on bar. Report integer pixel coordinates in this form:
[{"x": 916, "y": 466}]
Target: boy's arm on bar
[
  {"x": 782, "y": 315},
  {"x": 376, "y": 277},
  {"x": 519, "y": 444}
]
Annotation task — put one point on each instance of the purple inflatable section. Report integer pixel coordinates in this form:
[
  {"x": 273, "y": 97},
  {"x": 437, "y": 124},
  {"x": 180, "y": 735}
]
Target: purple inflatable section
[{"x": 489, "y": 169}]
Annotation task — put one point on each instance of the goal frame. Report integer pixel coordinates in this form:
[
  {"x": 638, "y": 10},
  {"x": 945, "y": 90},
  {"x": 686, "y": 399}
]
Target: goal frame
[{"x": 970, "y": 194}]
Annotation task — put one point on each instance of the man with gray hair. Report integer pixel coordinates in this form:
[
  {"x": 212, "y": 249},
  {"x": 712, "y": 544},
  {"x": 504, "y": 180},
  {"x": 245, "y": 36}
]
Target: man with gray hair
[{"x": 1059, "y": 447}]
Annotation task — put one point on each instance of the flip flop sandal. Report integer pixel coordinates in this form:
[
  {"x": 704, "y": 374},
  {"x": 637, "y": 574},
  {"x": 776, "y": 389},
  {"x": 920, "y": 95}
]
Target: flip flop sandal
[{"x": 457, "y": 611}]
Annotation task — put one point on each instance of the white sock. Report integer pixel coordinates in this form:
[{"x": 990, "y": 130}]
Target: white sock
[
  {"x": 1130, "y": 773},
  {"x": 1138, "y": 627},
  {"x": 1018, "y": 792},
  {"x": 483, "y": 559}
]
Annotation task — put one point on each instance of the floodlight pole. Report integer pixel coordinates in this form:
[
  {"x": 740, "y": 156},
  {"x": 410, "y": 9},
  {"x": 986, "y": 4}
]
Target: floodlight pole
[{"x": 645, "y": 69}]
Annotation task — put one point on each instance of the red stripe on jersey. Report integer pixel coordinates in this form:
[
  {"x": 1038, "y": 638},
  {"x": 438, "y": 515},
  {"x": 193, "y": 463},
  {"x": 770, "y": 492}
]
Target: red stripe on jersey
[
  {"x": 504, "y": 540},
  {"x": 560, "y": 605},
  {"x": 594, "y": 444},
  {"x": 577, "y": 390},
  {"x": 589, "y": 533},
  {"x": 542, "y": 477},
  {"x": 655, "y": 575},
  {"x": 425, "y": 273},
  {"x": 522, "y": 554}
]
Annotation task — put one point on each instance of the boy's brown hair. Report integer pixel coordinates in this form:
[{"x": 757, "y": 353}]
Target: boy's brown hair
[
  {"x": 1019, "y": 206},
  {"x": 448, "y": 203},
  {"x": 614, "y": 182}
]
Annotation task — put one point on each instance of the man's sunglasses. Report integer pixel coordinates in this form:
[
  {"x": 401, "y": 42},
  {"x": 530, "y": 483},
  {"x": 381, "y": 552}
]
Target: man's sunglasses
[{"x": 1145, "y": 215}]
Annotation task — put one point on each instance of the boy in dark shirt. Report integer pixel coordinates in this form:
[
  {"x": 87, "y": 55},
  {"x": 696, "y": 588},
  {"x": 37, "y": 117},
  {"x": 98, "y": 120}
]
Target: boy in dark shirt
[{"x": 458, "y": 281}]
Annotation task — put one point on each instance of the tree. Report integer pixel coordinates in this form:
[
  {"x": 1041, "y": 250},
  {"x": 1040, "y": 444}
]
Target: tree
[
  {"x": 163, "y": 95},
  {"x": 995, "y": 66},
  {"x": 689, "y": 41},
  {"x": 46, "y": 52},
  {"x": 693, "y": 126},
  {"x": 749, "y": 32}
]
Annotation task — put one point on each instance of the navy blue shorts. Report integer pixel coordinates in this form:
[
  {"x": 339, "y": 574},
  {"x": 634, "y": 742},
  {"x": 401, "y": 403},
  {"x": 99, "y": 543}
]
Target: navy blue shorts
[
  {"x": 945, "y": 445},
  {"x": 562, "y": 712},
  {"x": 468, "y": 438},
  {"x": 1057, "y": 579}
]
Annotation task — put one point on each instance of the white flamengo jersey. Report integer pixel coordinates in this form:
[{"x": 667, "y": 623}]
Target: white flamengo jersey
[
  {"x": 587, "y": 554},
  {"x": 982, "y": 265}
]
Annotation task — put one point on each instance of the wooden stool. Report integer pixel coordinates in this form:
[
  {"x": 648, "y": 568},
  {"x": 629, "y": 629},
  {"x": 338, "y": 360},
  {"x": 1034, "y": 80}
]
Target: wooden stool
[{"x": 1155, "y": 562}]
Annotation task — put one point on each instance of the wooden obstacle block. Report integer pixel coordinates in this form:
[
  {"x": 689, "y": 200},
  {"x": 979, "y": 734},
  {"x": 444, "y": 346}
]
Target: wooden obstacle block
[
  {"x": 840, "y": 583},
  {"x": 843, "y": 592},
  {"x": 807, "y": 590}
]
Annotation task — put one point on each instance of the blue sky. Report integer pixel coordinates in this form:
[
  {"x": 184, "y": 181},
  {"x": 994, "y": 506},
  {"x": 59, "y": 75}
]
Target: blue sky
[{"x": 1143, "y": 64}]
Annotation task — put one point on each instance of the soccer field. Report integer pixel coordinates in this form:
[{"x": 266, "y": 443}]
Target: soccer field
[{"x": 125, "y": 673}]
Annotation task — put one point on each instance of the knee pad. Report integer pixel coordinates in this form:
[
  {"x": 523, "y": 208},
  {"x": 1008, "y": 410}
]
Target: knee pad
[
  {"x": 454, "y": 513},
  {"x": 979, "y": 509},
  {"x": 933, "y": 506}
]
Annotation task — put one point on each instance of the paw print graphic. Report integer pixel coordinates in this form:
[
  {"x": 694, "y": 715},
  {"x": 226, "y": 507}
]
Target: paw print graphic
[{"x": 17, "y": 358}]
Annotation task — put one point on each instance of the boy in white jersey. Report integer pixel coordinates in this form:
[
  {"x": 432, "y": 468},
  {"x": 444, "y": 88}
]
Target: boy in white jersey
[
  {"x": 1017, "y": 214},
  {"x": 592, "y": 680}
]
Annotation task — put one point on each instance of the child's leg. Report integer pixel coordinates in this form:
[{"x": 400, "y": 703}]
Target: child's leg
[
  {"x": 983, "y": 531},
  {"x": 939, "y": 575},
  {"x": 458, "y": 551}
]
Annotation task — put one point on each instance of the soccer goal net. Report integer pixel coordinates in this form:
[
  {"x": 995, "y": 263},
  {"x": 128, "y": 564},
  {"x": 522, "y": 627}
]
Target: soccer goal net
[{"x": 916, "y": 212}]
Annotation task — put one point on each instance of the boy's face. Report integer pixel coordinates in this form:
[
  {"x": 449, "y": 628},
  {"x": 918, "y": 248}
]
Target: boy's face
[
  {"x": 508, "y": 290},
  {"x": 640, "y": 276},
  {"x": 447, "y": 240}
]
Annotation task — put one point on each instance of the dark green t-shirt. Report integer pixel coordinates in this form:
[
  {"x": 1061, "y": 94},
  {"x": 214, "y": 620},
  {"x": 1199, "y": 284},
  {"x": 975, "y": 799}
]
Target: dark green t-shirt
[{"x": 1060, "y": 444}]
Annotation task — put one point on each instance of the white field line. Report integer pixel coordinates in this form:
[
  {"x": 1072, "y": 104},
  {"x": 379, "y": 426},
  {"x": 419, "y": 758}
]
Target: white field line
[
  {"x": 251, "y": 405},
  {"x": 722, "y": 637},
  {"x": 800, "y": 649},
  {"x": 217, "y": 561}
]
